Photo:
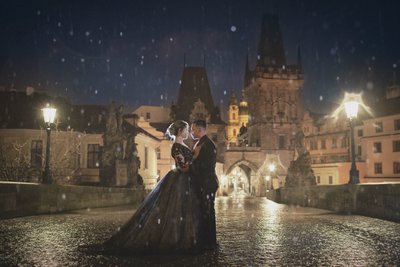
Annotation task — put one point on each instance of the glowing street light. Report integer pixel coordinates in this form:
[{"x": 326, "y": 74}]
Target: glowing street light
[
  {"x": 271, "y": 167},
  {"x": 49, "y": 115},
  {"x": 351, "y": 108}
]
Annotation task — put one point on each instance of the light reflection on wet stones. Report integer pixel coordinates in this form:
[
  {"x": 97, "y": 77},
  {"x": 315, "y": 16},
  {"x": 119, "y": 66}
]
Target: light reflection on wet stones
[{"x": 251, "y": 232}]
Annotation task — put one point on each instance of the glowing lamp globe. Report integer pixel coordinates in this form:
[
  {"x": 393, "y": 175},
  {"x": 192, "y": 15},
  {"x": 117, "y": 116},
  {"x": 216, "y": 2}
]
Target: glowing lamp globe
[
  {"x": 49, "y": 114},
  {"x": 351, "y": 108}
]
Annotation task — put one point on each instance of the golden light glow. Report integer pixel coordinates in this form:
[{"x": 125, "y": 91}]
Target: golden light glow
[
  {"x": 351, "y": 109},
  {"x": 350, "y": 105},
  {"x": 271, "y": 167},
  {"x": 49, "y": 114}
]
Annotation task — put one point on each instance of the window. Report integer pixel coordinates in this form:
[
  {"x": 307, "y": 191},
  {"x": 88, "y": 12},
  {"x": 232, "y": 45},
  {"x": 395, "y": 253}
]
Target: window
[
  {"x": 146, "y": 157},
  {"x": 330, "y": 180},
  {"x": 234, "y": 132},
  {"x": 318, "y": 179},
  {"x": 360, "y": 132},
  {"x": 378, "y": 168},
  {"x": 377, "y": 147},
  {"x": 378, "y": 127},
  {"x": 36, "y": 153},
  {"x": 396, "y": 146},
  {"x": 334, "y": 143},
  {"x": 313, "y": 144},
  {"x": 93, "y": 155},
  {"x": 281, "y": 141},
  {"x": 359, "y": 150},
  {"x": 344, "y": 142},
  {"x": 233, "y": 116},
  {"x": 323, "y": 145},
  {"x": 397, "y": 124},
  {"x": 396, "y": 167},
  {"x": 148, "y": 116},
  {"x": 158, "y": 152}
]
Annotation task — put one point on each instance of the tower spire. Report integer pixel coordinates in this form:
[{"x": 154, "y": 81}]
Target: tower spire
[
  {"x": 246, "y": 80},
  {"x": 270, "y": 47},
  {"x": 299, "y": 57}
]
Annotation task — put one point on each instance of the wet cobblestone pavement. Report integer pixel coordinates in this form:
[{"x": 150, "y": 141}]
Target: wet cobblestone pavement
[{"x": 251, "y": 232}]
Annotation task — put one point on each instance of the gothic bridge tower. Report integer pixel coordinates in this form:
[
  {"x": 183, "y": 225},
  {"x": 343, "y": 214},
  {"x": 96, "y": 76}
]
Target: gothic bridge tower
[{"x": 274, "y": 112}]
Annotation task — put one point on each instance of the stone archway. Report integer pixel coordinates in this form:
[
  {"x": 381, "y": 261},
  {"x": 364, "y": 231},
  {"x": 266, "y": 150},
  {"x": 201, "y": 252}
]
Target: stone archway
[{"x": 242, "y": 178}]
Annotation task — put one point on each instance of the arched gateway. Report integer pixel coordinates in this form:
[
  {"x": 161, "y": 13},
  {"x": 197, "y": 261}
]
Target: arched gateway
[{"x": 250, "y": 171}]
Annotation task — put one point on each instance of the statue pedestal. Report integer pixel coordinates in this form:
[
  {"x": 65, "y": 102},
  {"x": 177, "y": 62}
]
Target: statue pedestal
[{"x": 121, "y": 177}]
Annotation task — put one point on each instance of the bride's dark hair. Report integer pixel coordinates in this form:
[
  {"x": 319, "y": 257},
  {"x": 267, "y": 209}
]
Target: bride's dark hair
[{"x": 174, "y": 129}]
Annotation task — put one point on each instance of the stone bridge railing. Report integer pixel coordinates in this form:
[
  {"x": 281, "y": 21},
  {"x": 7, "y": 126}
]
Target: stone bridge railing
[
  {"x": 23, "y": 199},
  {"x": 373, "y": 200}
]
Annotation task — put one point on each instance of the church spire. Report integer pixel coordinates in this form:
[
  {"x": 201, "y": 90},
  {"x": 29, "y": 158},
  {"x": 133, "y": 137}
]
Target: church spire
[
  {"x": 299, "y": 57},
  {"x": 246, "y": 80},
  {"x": 270, "y": 47}
]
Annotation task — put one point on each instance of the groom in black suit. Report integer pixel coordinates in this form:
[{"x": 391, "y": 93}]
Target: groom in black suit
[{"x": 205, "y": 180}]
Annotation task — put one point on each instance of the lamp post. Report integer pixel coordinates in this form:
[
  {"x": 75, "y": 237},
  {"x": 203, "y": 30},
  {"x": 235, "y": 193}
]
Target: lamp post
[
  {"x": 49, "y": 115},
  {"x": 351, "y": 108}
]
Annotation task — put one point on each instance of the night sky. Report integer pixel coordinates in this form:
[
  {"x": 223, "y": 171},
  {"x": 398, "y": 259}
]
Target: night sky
[{"x": 133, "y": 51}]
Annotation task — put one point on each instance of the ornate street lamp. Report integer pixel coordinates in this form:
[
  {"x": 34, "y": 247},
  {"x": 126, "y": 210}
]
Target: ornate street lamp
[
  {"x": 49, "y": 115},
  {"x": 351, "y": 108}
]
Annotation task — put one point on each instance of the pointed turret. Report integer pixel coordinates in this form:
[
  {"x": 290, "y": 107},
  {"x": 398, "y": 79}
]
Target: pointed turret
[
  {"x": 270, "y": 48},
  {"x": 195, "y": 95},
  {"x": 299, "y": 58},
  {"x": 247, "y": 73}
]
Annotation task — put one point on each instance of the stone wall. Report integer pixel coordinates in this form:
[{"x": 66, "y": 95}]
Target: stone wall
[
  {"x": 23, "y": 199},
  {"x": 373, "y": 200}
]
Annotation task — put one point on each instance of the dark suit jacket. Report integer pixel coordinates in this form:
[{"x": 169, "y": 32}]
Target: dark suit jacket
[{"x": 203, "y": 167}]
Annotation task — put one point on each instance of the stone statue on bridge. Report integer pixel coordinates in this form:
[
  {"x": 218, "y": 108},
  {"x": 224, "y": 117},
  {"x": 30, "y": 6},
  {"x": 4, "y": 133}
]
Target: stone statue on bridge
[
  {"x": 119, "y": 149},
  {"x": 299, "y": 171}
]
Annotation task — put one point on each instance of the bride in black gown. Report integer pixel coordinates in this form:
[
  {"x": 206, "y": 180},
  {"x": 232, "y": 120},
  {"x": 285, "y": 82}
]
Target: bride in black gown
[{"x": 168, "y": 219}]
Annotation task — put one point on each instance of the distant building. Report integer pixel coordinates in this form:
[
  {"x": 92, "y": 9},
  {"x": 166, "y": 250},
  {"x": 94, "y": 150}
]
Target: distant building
[
  {"x": 273, "y": 110},
  {"x": 76, "y": 143},
  {"x": 377, "y": 143},
  {"x": 154, "y": 114},
  {"x": 238, "y": 118}
]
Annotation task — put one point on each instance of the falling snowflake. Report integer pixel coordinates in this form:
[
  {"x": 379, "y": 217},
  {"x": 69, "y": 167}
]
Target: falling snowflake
[{"x": 233, "y": 28}]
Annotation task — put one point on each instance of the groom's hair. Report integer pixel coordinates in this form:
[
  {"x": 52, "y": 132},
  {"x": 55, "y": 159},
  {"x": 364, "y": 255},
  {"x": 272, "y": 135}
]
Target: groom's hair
[{"x": 200, "y": 123}]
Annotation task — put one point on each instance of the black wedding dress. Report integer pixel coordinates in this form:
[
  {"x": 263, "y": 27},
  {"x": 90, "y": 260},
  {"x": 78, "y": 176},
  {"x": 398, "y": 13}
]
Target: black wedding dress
[{"x": 168, "y": 220}]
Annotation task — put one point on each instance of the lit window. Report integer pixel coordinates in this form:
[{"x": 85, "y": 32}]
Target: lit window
[
  {"x": 396, "y": 146},
  {"x": 334, "y": 143},
  {"x": 378, "y": 127},
  {"x": 396, "y": 167},
  {"x": 146, "y": 156},
  {"x": 378, "y": 168},
  {"x": 397, "y": 124},
  {"x": 281, "y": 141},
  {"x": 377, "y": 147},
  {"x": 323, "y": 146},
  {"x": 93, "y": 154}
]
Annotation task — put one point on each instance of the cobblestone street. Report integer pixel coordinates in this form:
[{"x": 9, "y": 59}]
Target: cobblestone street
[{"x": 251, "y": 232}]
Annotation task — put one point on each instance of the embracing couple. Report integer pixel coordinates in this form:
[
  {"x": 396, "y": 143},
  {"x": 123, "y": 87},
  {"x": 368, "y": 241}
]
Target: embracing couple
[{"x": 178, "y": 214}]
